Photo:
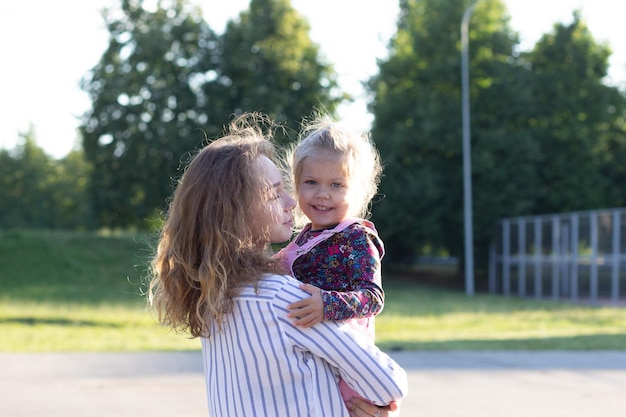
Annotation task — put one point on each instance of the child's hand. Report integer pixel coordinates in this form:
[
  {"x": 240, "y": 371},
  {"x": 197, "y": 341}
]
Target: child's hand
[
  {"x": 308, "y": 311},
  {"x": 358, "y": 407}
]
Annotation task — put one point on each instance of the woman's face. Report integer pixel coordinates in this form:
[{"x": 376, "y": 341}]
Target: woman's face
[{"x": 272, "y": 221}]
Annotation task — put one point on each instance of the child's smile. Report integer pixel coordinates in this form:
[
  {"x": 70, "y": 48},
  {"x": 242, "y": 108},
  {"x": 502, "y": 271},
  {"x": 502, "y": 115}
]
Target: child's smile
[{"x": 323, "y": 190}]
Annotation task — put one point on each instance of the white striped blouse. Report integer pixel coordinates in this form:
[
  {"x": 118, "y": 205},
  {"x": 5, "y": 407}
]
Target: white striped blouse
[{"x": 262, "y": 365}]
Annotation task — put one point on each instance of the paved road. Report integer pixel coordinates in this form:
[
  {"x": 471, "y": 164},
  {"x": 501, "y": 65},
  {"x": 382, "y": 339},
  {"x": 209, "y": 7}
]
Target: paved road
[{"x": 455, "y": 384}]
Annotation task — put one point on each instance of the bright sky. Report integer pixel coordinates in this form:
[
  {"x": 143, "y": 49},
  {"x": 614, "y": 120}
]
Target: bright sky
[{"x": 48, "y": 46}]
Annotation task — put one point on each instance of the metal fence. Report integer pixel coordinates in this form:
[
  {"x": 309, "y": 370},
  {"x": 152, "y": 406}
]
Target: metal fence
[{"x": 579, "y": 256}]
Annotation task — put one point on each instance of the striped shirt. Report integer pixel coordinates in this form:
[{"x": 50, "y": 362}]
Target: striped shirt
[{"x": 262, "y": 365}]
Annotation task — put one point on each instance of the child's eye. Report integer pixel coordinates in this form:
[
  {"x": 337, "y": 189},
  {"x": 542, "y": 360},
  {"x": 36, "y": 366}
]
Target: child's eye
[
  {"x": 336, "y": 185},
  {"x": 310, "y": 182}
]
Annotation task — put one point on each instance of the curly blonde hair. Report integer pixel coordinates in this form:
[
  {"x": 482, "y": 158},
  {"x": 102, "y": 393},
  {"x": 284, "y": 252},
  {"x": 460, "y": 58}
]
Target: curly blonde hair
[
  {"x": 206, "y": 252},
  {"x": 361, "y": 160}
]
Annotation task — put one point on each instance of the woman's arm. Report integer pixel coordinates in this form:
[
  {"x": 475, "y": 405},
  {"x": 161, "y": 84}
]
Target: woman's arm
[{"x": 364, "y": 367}]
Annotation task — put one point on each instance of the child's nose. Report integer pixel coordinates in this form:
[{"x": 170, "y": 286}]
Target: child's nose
[{"x": 322, "y": 192}]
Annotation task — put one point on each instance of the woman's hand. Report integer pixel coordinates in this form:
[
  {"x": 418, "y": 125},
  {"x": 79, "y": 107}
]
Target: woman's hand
[{"x": 361, "y": 408}]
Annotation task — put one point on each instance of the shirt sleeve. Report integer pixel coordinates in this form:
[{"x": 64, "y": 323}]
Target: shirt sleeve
[
  {"x": 361, "y": 264},
  {"x": 359, "y": 362}
]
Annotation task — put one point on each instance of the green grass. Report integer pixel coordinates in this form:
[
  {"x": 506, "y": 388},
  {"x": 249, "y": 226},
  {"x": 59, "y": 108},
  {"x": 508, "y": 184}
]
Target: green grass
[
  {"x": 62, "y": 291},
  {"x": 422, "y": 318},
  {"x": 67, "y": 291}
]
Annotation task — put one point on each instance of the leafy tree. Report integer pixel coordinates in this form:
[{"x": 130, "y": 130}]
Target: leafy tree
[
  {"x": 270, "y": 64},
  {"x": 68, "y": 190},
  {"x": 38, "y": 192},
  {"x": 24, "y": 201},
  {"x": 611, "y": 153},
  {"x": 504, "y": 152},
  {"x": 546, "y": 132},
  {"x": 148, "y": 109},
  {"x": 417, "y": 126},
  {"x": 578, "y": 121},
  {"x": 167, "y": 82}
]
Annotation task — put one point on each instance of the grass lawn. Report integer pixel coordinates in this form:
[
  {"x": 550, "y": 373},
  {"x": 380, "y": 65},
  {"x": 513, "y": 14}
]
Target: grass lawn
[{"x": 68, "y": 291}]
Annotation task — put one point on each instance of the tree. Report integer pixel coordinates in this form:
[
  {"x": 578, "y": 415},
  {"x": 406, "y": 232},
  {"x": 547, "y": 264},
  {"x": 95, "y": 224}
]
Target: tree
[
  {"x": 38, "y": 192},
  {"x": 167, "y": 83},
  {"x": 611, "y": 152},
  {"x": 24, "y": 200},
  {"x": 417, "y": 125},
  {"x": 270, "y": 64},
  {"x": 576, "y": 119},
  {"x": 69, "y": 192},
  {"x": 148, "y": 109},
  {"x": 546, "y": 132}
]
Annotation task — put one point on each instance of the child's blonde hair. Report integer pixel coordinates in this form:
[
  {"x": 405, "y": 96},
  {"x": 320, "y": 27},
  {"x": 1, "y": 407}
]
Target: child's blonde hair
[{"x": 361, "y": 161}]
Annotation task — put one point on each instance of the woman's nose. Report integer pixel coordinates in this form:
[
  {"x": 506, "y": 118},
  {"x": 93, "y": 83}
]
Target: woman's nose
[{"x": 290, "y": 203}]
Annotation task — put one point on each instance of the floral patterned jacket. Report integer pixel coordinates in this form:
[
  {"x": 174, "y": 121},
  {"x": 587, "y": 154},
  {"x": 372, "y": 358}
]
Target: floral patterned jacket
[{"x": 345, "y": 263}]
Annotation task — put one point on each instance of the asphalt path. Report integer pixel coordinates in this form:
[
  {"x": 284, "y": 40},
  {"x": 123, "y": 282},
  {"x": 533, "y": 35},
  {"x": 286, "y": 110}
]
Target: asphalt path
[{"x": 441, "y": 384}]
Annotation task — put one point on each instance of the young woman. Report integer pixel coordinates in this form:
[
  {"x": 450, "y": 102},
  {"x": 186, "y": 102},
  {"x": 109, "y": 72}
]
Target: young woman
[{"x": 214, "y": 277}]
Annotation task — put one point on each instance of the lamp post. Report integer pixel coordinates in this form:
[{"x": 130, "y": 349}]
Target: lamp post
[{"x": 467, "y": 164}]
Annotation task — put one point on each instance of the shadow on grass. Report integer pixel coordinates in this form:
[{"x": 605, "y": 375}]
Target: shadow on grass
[
  {"x": 34, "y": 321},
  {"x": 594, "y": 342}
]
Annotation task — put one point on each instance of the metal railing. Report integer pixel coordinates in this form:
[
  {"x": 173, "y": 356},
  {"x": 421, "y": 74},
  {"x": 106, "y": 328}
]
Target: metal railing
[{"x": 578, "y": 256}]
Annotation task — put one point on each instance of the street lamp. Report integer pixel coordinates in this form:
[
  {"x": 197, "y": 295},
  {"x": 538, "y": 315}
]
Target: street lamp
[{"x": 467, "y": 164}]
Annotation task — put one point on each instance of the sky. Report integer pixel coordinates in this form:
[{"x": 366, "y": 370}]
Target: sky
[{"x": 48, "y": 46}]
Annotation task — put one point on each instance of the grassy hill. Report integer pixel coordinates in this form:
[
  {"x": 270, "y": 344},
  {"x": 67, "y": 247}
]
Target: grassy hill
[
  {"x": 71, "y": 291},
  {"x": 72, "y": 267}
]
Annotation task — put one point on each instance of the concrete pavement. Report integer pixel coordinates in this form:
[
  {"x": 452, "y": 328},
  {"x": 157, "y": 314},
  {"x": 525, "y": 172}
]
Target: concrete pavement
[{"x": 441, "y": 384}]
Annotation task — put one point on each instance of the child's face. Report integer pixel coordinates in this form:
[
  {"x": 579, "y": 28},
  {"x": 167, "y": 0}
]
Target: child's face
[
  {"x": 273, "y": 220},
  {"x": 323, "y": 190}
]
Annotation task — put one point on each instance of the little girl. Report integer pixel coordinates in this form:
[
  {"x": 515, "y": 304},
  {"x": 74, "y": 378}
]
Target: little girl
[{"x": 337, "y": 254}]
